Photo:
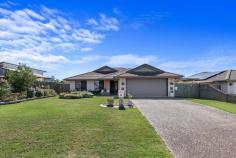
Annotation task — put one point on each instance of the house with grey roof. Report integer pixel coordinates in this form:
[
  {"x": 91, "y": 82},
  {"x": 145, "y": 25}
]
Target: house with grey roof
[
  {"x": 222, "y": 80},
  {"x": 4, "y": 66},
  {"x": 142, "y": 81}
]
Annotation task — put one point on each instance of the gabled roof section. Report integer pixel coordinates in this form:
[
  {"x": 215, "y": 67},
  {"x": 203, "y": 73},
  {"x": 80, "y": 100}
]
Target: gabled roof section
[
  {"x": 145, "y": 69},
  {"x": 148, "y": 71},
  {"x": 105, "y": 70},
  {"x": 96, "y": 75}
]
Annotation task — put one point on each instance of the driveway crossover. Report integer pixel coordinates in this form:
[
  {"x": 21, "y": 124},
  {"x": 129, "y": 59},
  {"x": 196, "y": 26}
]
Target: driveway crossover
[{"x": 191, "y": 130}]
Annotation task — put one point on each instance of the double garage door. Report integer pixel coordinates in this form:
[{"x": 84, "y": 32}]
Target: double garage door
[{"x": 147, "y": 88}]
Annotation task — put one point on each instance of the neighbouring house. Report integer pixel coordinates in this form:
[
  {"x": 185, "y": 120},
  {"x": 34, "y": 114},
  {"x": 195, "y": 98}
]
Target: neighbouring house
[
  {"x": 222, "y": 80},
  {"x": 142, "y": 81},
  {"x": 4, "y": 66}
]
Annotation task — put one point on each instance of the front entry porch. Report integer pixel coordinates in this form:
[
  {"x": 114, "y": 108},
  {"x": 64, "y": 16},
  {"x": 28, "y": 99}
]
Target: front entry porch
[
  {"x": 110, "y": 87},
  {"x": 103, "y": 87}
]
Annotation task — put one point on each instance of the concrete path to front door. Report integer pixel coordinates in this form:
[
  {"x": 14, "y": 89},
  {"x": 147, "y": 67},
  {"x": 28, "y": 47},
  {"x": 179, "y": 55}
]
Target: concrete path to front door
[{"x": 191, "y": 130}]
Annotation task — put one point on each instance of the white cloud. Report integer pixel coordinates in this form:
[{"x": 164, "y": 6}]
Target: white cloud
[
  {"x": 42, "y": 36},
  {"x": 116, "y": 10},
  {"x": 33, "y": 14},
  {"x": 87, "y": 59},
  {"x": 188, "y": 67},
  {"x": 8, "y": 4},
  {"x": 86, "y": 49},
  {"x": 92, "y": 22},
  {"x": 30, "y": 56},
  {"x": 129, "y": 59},
  {"x": 105, "y": 23}
]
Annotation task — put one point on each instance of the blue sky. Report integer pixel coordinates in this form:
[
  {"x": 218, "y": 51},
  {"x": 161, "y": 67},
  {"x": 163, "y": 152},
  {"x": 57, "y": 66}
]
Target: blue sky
[{"x": 68, "y": 37}]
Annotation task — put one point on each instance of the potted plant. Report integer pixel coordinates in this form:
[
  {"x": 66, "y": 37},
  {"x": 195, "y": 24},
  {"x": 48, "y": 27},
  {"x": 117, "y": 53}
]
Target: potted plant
[
  {"x": 121, "y": 104},
  {"x": 110, "y": 102},
  {"x": 130, "y": 103}
]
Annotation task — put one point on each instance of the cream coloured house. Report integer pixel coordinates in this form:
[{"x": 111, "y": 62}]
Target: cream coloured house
[{"x": 143, "y": 81}]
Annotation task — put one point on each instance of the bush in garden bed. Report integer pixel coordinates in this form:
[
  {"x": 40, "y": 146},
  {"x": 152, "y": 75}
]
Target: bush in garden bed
[
  {"x": 5, "y": 90},
  {"x": 31, "y": 93},
  {"x": 39, "y": 92},
  {"x": 76, "y": 95},
  {"x": 49, "y": 92}
]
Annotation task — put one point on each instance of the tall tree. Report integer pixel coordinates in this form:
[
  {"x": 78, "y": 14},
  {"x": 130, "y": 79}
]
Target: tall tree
[{"x": 21, "y": 79}]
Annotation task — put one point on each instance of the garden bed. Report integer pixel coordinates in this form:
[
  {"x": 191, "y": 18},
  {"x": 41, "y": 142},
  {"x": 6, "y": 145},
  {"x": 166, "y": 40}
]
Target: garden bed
[
  {"x": 22, "y": 100},
  {"x": 76, "y": 95}
]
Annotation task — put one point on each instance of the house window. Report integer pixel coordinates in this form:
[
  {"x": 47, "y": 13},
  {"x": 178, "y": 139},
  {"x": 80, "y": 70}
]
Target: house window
[
  {"x": 84, "y": 85},
  {"x": 81, "y": 85},
  {"x": 98, "y": 85},
  {"x": 78, "y": 85}
]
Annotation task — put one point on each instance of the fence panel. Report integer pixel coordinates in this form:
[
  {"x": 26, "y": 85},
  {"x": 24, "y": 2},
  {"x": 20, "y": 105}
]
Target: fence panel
[
  {"x": 209, "y": 92},
  {"x": 206, "y": 91},
  {"x": 187, "y": 90},
  {"x": 58, "y": 87}
]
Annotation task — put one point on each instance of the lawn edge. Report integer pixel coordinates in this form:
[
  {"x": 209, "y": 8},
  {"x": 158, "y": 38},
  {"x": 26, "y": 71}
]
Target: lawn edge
[
  {"x": 157, "y": 134},
  {"x": 212, "y": 107}
]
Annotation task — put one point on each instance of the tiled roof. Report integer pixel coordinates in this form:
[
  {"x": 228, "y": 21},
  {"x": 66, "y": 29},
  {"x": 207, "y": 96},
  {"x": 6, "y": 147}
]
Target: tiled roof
[
  {"x": 121, "y": 72},
  {"x": 95, "y": 75},
  {"x": 161, "y": 75}
]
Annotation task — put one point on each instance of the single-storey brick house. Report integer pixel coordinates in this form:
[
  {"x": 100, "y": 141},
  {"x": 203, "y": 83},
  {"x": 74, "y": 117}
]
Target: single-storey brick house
[
  {"x": 222, "y": 80},
  {"x": 142, "y": 81}
]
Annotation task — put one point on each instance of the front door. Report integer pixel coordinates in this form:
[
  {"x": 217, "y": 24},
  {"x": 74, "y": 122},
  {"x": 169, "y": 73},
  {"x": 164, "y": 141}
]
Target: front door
[{"x": 113, "y": 87}]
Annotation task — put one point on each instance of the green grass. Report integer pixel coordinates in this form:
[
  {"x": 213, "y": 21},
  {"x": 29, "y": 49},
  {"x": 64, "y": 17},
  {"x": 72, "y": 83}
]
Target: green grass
[
  {"x": 57, "y": 128},
  {"x": 229, "y": 107}
]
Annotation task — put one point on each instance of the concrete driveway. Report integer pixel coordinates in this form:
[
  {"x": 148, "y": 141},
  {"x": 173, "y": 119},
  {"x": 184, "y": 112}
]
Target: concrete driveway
[{"x": 191, "y": 130}]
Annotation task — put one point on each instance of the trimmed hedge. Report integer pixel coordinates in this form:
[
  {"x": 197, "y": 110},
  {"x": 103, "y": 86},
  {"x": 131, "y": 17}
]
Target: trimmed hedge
[{"x": 76, "y": 95}]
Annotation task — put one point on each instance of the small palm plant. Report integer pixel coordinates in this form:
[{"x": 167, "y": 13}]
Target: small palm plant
[
  {"x": 121, "y": 104},
  {"x": 130, "y": 103},
  {"x": 110, "y": 102}
]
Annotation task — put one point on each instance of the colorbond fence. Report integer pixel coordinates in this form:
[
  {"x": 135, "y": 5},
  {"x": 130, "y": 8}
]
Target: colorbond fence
[
  {"x": 206, "y": 91},
  {"x": 58, "y": 87}
]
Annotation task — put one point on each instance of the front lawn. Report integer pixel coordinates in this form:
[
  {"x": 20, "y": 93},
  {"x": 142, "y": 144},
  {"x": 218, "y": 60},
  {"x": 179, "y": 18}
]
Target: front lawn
[
  {"x": 57, "y": 128},
  {"x": 229, "y": 107}
]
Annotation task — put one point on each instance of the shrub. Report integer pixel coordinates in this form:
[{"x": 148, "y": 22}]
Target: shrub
[
  {"x": 76, "y": 95},
  {"x": 86, "y": 94},
  {"x": 10, "y": 98},
  {"x": 19, "y": 96},
  {"x": 4, "y": 89},
  {"x": 49, "y": 92},
  {"x": 39, "y": 92},
  {"x": 30, "y": 93}
]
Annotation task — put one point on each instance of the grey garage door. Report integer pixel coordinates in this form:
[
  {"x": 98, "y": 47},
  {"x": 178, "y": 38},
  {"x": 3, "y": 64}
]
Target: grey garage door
[{"x": 147, "y": 87}]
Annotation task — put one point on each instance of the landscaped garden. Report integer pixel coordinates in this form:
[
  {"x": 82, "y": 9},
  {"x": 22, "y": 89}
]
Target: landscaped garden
[
  {"x": 54, "y": 127},
  {"x": 229, "y": 107},
  {"x": 19, "y": 86}
]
